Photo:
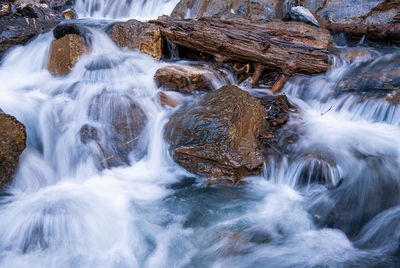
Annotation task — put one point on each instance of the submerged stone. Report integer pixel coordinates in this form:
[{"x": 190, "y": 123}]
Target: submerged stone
[{"x": 122, "y": 121}]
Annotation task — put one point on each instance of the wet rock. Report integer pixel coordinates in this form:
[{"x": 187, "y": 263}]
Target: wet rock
[
  {"x": 5, "y": 9},
  {"x": 122, "y": 122},
  {"x": 89, "y": 133},
  {"x": 36, "y": 10},
  {"x": 353, "y": 54},
  {"x": 19, "y": 31},
  {"x": 12, "y": 143},
  {"x": 184, "y": 79},
  {"x": 373, "y": 75},
  {"x": 135, "y": 35},
  {"x": 64, "y": 29},
  {"x": 302, "y": 14},
  {"x": 218, "y": 137},
  {"x": 353, "y": 11},
  {"x": 65, "y": 53},
  {"x": 59, "y": 5},
  {"x": 254, "y": 9},
  {"x": 360, "y": 196},
  {"x": 69, "y": 14},
  {"x": 393, "y": 98},
  {"x": 318, "y": 167},
  {"x": 167, "y": 100}
]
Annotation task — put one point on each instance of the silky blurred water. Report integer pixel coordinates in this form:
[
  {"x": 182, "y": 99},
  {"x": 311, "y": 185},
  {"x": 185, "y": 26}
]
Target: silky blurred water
[{"x": 331, "y": 201}]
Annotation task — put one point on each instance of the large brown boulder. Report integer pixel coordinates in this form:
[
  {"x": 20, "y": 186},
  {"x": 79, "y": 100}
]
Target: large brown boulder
[
  {"x": 218, "y": 137},
  {"x": 122, "y": 122},
  {"x": 184, "y": 79},
  {"x": 353, "y": 11},
  {"x": 12, "y": 143},
  {"x": 65, "y": 53},
  {"x": 254, "y": 9},
  {"x": 136, "y": 35}
]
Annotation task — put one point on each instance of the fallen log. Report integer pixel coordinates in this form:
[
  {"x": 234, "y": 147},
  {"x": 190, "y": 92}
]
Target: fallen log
[
  {"x": 383, "y": 33},
  {"x": 268, "y": 45}
]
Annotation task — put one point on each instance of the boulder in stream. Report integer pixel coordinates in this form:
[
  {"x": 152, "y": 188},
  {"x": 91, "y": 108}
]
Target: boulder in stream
[
  {"x": 218, "y": 137},
  {"x": 122, "y": 121},
  {"x": 65, "y": 53},
  {"x": 136, "y": 35},
  {"x": 381, "y": 75},
  {"x": 12, "y": 143},
  {"x": 184, "y": 79}
]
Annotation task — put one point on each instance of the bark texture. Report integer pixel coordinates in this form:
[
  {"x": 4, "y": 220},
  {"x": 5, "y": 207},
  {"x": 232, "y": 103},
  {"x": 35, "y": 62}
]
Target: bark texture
[{"x": 272, "y": 45}]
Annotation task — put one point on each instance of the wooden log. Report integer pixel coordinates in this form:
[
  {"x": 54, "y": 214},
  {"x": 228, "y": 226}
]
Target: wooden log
[
  {"x": 268, "y": 45},
  {"x": 383, "y": 33}
]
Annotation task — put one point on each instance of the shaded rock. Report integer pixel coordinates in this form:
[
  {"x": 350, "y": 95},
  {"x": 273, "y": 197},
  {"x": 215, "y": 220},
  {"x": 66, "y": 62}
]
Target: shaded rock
[
  {"x": 5, "y": 9},
  {"x": 19, "y": 31},
  {"x": 122, "y": 122},
  {"x": 254, "y": 9},
  {"x": 184, "y": 79},
  {"x": 12, "y": 143},
  {"x": 318, "y": 167},
  {"x": 36, "y": 10},
  {"x": 373, "y": 75},
  {"x": 143, "y": 36},
  {"x": 64, "y": 29},
  {"x": 302, "y": 14},
  {"x": 59, "y": 5},
  {"x": 65, "y": 53},
  {"x": 218, "y": 137},
  {"x": 353, "y": 11}
]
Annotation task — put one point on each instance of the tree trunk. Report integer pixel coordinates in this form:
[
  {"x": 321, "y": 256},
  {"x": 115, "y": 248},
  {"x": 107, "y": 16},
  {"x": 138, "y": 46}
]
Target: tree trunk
[
  {"x": 383, "y": 33},
  {"x": 271, "y": 45}
]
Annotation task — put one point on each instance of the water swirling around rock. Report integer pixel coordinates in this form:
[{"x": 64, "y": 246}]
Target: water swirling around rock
[{"x": 332, "y": 200}]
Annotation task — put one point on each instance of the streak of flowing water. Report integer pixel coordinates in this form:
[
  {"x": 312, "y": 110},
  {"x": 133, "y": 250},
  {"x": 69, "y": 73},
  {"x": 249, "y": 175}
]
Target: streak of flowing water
[
  {"x": 124, "y": 9},
  {"x": 331, "y": 201}
]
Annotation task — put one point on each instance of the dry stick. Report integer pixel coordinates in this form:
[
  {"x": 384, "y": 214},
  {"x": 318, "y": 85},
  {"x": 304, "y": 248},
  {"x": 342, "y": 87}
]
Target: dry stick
[
  {"x": 290, "y": 70},
  {"x": 258, "y": 69}
]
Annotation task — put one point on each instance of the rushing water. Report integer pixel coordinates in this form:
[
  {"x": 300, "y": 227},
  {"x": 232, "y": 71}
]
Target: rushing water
[
  {"x": 63, "y": 211},
  {"x": 120, "y": 9}
]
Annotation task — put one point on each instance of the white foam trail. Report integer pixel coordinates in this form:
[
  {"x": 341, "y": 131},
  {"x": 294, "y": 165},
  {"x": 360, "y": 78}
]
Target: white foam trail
[{"x": 124, "y": 9}]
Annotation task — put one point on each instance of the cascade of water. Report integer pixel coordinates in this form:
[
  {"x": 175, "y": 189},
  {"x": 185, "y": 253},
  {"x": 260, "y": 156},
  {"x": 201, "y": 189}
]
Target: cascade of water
[
  {"x": 124, "y": 9},
  {"x": 65, "y": 210}
]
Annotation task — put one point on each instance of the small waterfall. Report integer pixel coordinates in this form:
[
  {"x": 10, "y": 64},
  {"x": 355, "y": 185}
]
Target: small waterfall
[
  {"x": 124, "y": 9},
  {"x": 94, "y": 190}
]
